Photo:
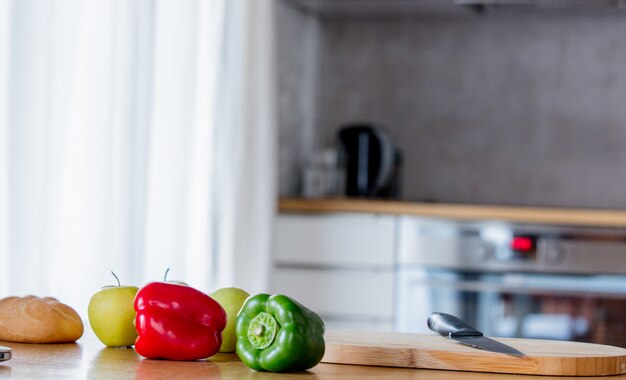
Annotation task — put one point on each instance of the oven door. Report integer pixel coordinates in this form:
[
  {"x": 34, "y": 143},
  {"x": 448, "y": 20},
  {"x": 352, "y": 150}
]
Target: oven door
[{"x": 540, "y": 306}]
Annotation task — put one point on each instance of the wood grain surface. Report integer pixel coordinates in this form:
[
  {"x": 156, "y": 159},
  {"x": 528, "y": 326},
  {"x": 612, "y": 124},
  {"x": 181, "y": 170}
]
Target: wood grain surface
[
  {"x": 89, "y": 359},
  {"x": 531, "y": 215},
  {"x": 543, "y": 357}
]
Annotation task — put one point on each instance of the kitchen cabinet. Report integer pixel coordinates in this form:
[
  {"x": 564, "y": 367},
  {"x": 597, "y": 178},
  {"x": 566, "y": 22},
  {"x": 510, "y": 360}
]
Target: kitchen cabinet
[
  {"x": 510, "y": 271},
  {"x": 340, "y": 265},
  {"x": 381, "y": 7}
]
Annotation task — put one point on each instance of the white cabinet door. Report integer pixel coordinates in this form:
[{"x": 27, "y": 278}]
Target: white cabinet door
[
  {"x": 339, "y": 265},
  {"x": 340, "y": 294},
  {"x": 335, "y": 239}
]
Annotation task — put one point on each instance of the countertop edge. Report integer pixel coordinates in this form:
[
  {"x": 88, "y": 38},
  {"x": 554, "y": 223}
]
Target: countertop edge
[{"x": 514, "y": 214}]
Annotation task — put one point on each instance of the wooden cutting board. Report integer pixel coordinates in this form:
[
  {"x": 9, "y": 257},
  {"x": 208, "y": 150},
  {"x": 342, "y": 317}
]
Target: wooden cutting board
[{"x": 543, "y": 357}]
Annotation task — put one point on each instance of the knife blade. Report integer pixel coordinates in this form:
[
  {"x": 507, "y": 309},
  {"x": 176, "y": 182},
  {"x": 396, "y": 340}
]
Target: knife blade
[{"x": 453, "y": 328}]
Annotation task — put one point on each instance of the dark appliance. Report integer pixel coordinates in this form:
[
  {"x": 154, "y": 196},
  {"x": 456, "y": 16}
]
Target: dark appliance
[{"x": 372, "y": 162}]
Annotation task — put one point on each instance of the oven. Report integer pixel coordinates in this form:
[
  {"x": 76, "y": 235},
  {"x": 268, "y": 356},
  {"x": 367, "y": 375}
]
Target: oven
[{"x": 513, "y": 280}]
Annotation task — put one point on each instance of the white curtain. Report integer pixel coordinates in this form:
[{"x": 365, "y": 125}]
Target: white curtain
[
  {"x": 135, "y": 136},
  {"x": 4, "y": 188},
  {"x": 247, "y": 90}
]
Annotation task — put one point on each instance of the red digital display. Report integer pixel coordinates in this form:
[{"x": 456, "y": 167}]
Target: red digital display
[{"x": 522, "y": 244}]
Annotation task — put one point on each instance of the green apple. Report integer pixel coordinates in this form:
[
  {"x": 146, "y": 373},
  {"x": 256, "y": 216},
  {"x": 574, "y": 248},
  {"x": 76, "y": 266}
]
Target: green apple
[
  {"x": 232, "y": 300},
  {"x": 112, "y": 315}
]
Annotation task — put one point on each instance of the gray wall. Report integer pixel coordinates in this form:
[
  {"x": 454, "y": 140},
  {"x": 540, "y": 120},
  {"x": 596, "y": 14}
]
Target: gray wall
[
  {"x": 298, "y": 53},
  {"x": 520, "y": 110}
]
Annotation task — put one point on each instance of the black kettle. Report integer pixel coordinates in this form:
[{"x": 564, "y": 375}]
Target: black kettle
[{"x": 371, "y": 162}]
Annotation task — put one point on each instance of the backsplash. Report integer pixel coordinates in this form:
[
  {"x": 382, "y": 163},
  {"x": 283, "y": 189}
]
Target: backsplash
[
  {"x": 297, "y": 41},
  {"x": 519, "y": 110}
]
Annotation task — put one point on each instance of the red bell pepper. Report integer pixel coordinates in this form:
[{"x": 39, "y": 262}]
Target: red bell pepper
[{"x": 177, "y": 322}]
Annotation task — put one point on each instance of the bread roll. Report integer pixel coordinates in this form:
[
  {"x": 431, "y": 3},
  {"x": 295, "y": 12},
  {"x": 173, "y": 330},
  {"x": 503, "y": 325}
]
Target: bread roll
[{"x": 32, "y": 319}]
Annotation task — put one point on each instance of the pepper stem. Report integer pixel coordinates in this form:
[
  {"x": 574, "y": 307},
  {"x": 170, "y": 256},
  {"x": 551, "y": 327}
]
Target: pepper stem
[
  {"x": 262, "y": 330},
  {"x": 259, "y": 331}
]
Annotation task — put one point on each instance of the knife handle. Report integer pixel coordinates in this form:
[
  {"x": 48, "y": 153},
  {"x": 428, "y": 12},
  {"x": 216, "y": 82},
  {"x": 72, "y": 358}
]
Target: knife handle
[{"x": 450, "y": 326}]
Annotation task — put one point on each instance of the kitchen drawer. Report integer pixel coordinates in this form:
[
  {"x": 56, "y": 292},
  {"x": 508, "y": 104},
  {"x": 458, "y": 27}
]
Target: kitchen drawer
[
  {"x": 338, "y": 239},
  {"x": 343, "y": 294}
]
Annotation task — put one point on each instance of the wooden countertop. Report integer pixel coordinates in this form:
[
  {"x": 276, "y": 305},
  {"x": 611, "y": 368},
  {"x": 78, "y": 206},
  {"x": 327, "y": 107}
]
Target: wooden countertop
[
  {"x": 89, "y": 359},
  {"x": 530, "y": 215}
]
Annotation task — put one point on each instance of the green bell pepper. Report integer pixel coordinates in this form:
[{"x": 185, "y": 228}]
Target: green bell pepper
[{"x": 277, "y": 334}]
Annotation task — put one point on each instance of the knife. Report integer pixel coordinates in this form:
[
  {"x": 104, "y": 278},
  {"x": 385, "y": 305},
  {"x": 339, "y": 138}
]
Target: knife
[{"x": 453, "y": 328}]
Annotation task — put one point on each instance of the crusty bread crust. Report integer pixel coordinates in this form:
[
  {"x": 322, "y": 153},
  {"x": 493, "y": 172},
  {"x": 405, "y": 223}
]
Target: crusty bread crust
[{"x": 32, "y": 319}]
